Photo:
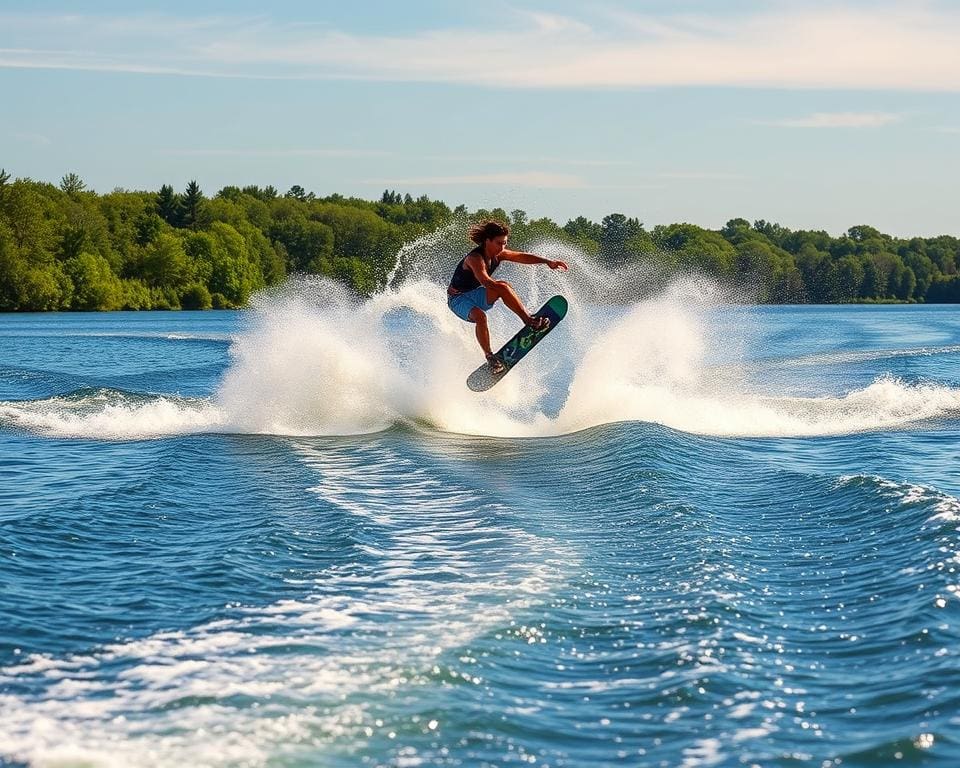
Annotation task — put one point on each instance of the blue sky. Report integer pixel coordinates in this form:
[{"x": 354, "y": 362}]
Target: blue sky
[{"x": 811, "y": 114}]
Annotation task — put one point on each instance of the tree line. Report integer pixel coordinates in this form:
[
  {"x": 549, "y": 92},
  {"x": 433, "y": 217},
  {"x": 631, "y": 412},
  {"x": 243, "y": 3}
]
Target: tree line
[{"x": 63, "y": 247}]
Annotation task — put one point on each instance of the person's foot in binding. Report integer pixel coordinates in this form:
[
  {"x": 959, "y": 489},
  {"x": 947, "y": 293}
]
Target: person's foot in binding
[
  {"x": 496, "y": 364},
  {"x": 539, "y": 323}
]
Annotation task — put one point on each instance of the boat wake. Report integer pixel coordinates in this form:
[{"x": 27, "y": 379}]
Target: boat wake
[{"x": 315, "y": 360}]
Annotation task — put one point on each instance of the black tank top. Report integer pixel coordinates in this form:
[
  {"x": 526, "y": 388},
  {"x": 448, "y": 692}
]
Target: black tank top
[{"x": 464, "y": 280}]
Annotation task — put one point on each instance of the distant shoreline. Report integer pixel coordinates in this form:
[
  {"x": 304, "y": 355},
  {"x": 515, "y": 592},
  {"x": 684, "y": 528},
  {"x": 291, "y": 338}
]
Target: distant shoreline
[{"x": 64, "y": 248}]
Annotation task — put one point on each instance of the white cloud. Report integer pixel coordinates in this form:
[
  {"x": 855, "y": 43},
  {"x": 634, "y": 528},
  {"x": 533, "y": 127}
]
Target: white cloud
[
  {"x": 329, "y": 152},
  {"x": 701, "y": 176},
  {"x": 537, "y": 179},
  {"x": 889, "y": 45},
  {"x": 838, "y": 120},
  {"x": 37, "y": 139}
]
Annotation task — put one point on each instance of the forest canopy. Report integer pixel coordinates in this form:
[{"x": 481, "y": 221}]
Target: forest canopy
[{"x": 67, "y": 248}]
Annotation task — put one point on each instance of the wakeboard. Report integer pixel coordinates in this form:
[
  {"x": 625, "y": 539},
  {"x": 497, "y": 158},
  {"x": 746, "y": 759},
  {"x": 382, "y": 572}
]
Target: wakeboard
[{"x": 517, "y": 348}]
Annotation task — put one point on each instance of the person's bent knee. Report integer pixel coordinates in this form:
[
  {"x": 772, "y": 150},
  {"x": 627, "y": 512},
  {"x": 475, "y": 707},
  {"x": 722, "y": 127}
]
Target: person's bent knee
[
  {"x": 496, "y": 290},
  {"x": 477, "y": 315}
]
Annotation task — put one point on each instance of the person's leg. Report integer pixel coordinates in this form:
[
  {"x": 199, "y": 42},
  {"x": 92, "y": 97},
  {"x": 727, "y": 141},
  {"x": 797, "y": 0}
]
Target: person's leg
[
  {"x": 501, "y": 289},
  {"x": 479, "y": 318}
]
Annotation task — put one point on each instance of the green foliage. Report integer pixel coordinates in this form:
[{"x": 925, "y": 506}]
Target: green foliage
[
  {"x": 299, "y": 193},
  {"x": 165, "y": 298},
  {"x": 196, "y": 296},
  {"x": 69, "y": 248},
  {"x": 616, "y": 233},
  {"x": 233, "y": 273},
  {"x": 42, "y": 290},
  {"x": 692, "y": 248},
  {"x": 165, "y": 263},
  {"x": 850, "y": 273},
  {"x": 29, "y": 214},
  {"x": 584, "y": 233},
  {"x": 169, "y": 205},
  {"x": 945, "y": 290},
  {"x": 72, "y": 184},
  {"x": 136, "y": 295},
  {"x": 192, "y": 207},
  {"x": 95, "y": 286},
  {"x": 307, "y": 244},
  {"x": 360, "y": 235}
]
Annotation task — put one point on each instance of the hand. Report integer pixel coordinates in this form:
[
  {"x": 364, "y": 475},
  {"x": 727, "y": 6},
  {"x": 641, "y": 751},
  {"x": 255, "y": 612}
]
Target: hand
[{"x": 557, "y": 265}]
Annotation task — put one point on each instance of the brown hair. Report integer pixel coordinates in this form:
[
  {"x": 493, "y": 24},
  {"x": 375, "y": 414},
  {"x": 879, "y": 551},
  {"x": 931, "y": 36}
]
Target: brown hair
[{"x": 480, "y": 233}]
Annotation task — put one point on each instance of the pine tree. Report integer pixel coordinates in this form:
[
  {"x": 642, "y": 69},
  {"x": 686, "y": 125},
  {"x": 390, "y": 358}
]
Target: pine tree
[
  {"x": 72, "y": 184},
  {"x": 192, "y": 204},
  {"x": 169, "y": 206}
]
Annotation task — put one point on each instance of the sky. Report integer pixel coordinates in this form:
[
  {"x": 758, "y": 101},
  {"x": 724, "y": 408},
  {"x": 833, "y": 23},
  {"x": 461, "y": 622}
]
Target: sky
[{"x": 814, "y": 115}]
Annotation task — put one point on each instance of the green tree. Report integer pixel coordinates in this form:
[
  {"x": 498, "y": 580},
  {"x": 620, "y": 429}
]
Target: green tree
[
  {"x": 272, "y": 264},
  {"x": 192, "y": 204},
  {"x": 690, "y": 247},
  {"x": 582, "y": 228},
  {"x": 787, "y": 286},
  {"x": 169, "y": 205},
  {"x": 72, "y": 184},
  {"x": 95, "y": 286},
  {"x": 354, "y": 273},
  {"x": 850, "y": 275},
  {"x": 147, "y": 227},
  {"x": 11, "y": 271},
  {"x": 165, "y": 263},
  {"x": 196, "y": 296},
  {"x": 616, "y": 230},
  {"x": 123, "y": 224},
  {"x": 874, "y": 285},
  {"x": 924, "y": 270},
  {"x": 755, "y": 264},
  {"x": 361, "y": 235},
  {"x": 903, "y": 282},
  {"x": 44, "y": 289},
  {"x": 738, "y": 230},
  {"x": 308, "y": 244},
  {"x": 863, "y": 233},
  {"x": 776, "y": 234},
  {"x": 945, "y": 290},
  {"x": 820, "y": 277},
  {"x": 136, "y": 295},
  {"x": 30, "y": 218},
  {"x": 793, "y": 242},
  {"x": 944, "y": 251},
  {"x": 73, "y": 241},
  {"x": 233, "y": 273},
  {"x": 297, "y": 193}
]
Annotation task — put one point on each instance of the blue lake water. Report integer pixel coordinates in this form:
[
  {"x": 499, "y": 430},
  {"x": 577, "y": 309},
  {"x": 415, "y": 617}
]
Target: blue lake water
[{"x": 680, "y": 533}]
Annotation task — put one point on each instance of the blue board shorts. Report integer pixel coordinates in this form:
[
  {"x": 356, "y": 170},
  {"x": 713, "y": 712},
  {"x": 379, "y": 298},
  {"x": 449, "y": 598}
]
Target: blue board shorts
[{"x": 463, "y": 303}]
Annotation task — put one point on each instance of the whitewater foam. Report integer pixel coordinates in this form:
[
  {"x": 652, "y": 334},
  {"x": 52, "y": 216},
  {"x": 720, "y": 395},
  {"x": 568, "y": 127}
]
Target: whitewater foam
[
  {"x": 341, "y": 366},
  {"x": 314, "y": 360},
  {"x": 114, "y": 415}
]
